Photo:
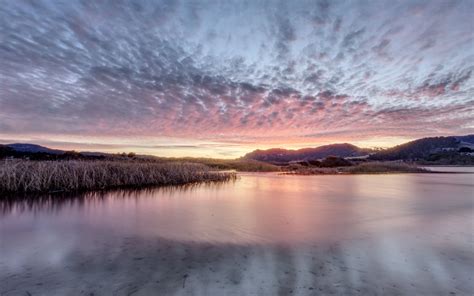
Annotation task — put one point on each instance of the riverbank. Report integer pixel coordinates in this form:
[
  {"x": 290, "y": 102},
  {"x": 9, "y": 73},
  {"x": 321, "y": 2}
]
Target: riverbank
[
  {"x": 22, "y": 176},
  {"x": 360, "y": 168}
]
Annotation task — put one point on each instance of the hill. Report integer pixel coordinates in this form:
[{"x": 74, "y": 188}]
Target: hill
[
  {"x": 452, "y": 150},
  {"x": 429, "y": 149},
  {"x": 278, "y": 155},
  {"x": 37, "y": 152},
  {"x": 33, "y": 148}
]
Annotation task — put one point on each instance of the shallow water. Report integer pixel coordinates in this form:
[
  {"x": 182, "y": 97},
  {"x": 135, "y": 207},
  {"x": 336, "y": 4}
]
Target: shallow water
[{"x": 264, "y": 234}]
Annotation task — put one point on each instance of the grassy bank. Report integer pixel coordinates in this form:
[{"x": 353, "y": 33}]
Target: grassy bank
[
  {"x": 361, "y": 168},
  {"x": 51, "y": 176},
  {"x": 240, "y": 165}
]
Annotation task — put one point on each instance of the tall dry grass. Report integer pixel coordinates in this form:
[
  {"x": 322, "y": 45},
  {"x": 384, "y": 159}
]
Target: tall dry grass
[
  {"x": 384, "y": 167},
  {"x": 50, "y": 176},
  {"x": 360, "y": 168}
]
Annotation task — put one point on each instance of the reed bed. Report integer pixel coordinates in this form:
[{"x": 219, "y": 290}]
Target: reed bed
[
  {"x": 384, "y": 167},
  {"x": 66, "y": 176}
]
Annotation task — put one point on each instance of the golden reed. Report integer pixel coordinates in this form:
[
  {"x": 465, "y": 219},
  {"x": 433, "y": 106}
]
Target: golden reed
[{"x": 51, "y": 176}]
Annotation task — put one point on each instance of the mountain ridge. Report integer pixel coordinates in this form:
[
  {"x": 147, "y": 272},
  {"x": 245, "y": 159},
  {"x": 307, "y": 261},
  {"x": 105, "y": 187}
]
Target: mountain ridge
[
  {"x": 419, "y": 149},
  {"x": 429, "y": 149},
  {"x": 425, "y": 148},
  {"x": 33, "y": 148},
  {"x": 280, "y": 155}
]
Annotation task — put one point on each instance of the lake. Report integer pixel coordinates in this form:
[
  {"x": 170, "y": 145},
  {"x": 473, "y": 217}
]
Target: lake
[{"x": 264, "y": 234}]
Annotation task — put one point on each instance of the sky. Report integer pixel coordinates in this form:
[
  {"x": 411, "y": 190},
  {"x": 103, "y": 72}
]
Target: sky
[{"x": 222, "y": 78}]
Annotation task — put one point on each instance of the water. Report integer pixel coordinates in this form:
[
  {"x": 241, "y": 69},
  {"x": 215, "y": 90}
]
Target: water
[{"x": 265, "y": 234}]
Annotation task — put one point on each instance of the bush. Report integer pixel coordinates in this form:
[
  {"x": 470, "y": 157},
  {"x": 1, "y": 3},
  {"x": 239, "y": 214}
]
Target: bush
[
  {"x": 333, "y": 162},
  {"x": 314, "y": 162}
]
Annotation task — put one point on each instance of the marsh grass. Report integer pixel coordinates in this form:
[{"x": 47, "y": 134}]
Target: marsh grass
[
  {"x": 66, "y": 176},
  {"x": 362, "y": 168},
  {"x": 240, "y": 165},
  {"x": 384, "y": 167}
]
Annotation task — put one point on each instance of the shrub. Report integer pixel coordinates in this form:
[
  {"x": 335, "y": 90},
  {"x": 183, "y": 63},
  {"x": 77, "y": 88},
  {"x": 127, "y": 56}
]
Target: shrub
[{"x": 333, "y": 161}]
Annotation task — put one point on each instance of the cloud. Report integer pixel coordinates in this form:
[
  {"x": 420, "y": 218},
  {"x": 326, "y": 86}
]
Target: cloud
[
  {"x": 351, "y": 38},
  {"x": 235, "y": 72},
  {"x": 432, "y": 88}
]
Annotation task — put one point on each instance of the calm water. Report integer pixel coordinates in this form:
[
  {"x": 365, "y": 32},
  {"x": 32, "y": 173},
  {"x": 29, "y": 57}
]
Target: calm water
[{"x": 265, "y": 234}]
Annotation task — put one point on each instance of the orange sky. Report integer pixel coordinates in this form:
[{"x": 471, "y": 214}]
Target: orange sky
[{"x": 178, "y": 147}]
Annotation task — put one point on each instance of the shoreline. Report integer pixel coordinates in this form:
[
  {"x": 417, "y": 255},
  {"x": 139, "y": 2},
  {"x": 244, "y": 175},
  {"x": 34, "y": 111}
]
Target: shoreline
[
  {"x": 366, "y": 173},
  {"x": 25, "y": 177},
  {"x": 359, "y": 168}
]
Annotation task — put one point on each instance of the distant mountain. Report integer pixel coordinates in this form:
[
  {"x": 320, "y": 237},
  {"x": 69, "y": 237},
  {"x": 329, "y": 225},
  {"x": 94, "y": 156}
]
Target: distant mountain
[
  {"x": 426, "y": 148},
  {"x": 453, "y": 150},
  {"x": 37, "y": 152},
  {"x": 435, "y": 150},
  {"x": 278, "y": 155},
  {"x": 32, "y": 148}
]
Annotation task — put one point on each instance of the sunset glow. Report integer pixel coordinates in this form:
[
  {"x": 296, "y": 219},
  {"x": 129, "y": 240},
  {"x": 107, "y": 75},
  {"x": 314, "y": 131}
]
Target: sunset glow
[{"x": 222, "y": 79}]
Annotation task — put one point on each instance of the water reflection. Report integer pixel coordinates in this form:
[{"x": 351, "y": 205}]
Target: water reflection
[
  {"x": 258, "y": 208},
  {"x": 13, "y": 204},
  {"x": 268, "y": 234}
]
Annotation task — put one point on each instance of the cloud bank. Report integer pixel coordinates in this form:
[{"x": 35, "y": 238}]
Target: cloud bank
[{"x": 236, "y": 71}]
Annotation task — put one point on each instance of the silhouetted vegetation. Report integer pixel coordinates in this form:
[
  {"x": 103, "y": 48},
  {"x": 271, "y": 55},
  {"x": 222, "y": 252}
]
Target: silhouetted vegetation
[
  {"x": 448, "y": 158},
  {"x": 50, "y": 176},
  {"x": 465, "y": 150},
  {"x": 333, "y": 161},
  {"x": 314, "y": 162}
]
